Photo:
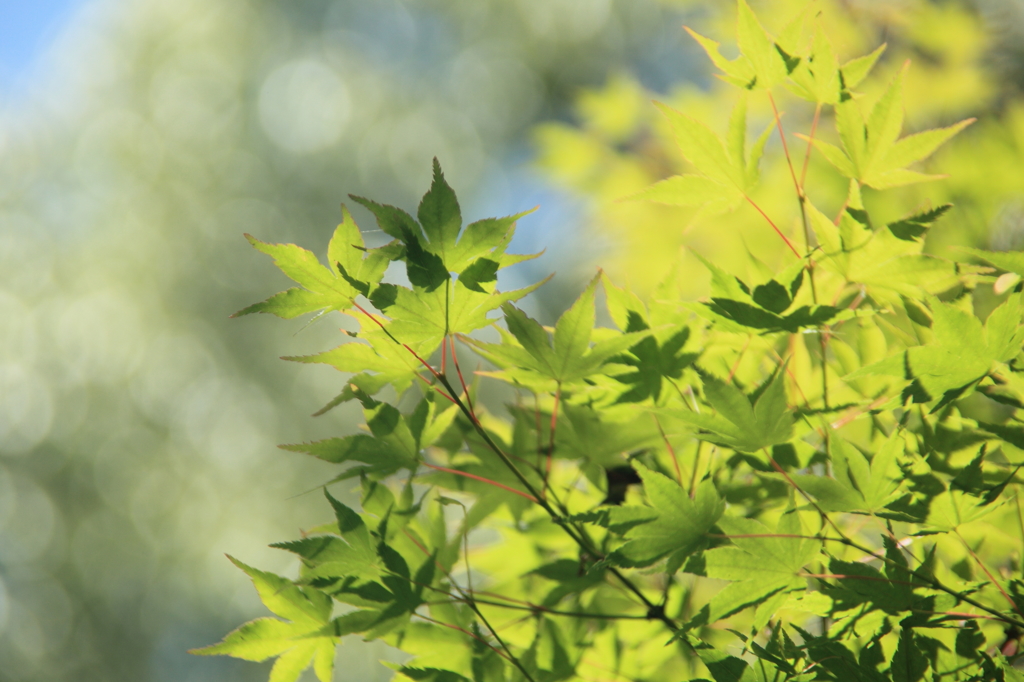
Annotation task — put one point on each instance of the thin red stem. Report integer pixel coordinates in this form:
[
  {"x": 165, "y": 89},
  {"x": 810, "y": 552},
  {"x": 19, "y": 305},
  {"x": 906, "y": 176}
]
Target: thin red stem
[
  {"x": 989, "y": 574},
  {"x": 671, "y": 450},
  {"x": 810, "y": 145},
  {"x": 380, "y": 324},
  {"x": 872, "y": 578},
  {"x": 774, "y": 227},
  {"x": 736, "y": 365},
  {"x": 854, "y": 413},
  {"x": 467, "y": 632},
  {"x": 466, "y": 474},
  {"x": 785, "y": 146}
]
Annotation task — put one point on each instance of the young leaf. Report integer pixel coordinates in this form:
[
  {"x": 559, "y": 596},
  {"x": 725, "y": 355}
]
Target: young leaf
[
  {"x": 437, "y": 234},
  {"x": 739, "y": 72},
  {"x": 872, "y": 154},
  {"x": 757, "y": 46},
  {"x": 726, "y": 174},
  {"x": 295, "y": 641},
  {"x": 326, "y": 289},
  {"x": 680, "y": 526},
  {"x": 913, "y": 227},
  {"x": 857, "y": 485},
  {"x": 567, "y": 355},
  {"x": 818, "y": 78},
  {"x": 745, "y": 424},
  {"x": 704, "y": 149},
  {"x": 962, "y": 351},
  {"x": 759, "y": 564}
]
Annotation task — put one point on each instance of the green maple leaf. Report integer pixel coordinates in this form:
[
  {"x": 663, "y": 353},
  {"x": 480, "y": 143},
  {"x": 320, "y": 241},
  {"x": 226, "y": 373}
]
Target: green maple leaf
[
  {"x": 758, "y": 566},
  {"x": 820, "y": 79},
  {"x": 378, "y": 362},
  {"x": 680, "y": 526},
  {"x": 348, "y": 553},
  {"x": 961, "y": 353},
  {"x": 355, "y": 270},
  {"x": 602, "y": 435},
  {"x": 761, "y": 64},
  {"x": 296, "y": 641},
  {"x": 565, "y": 356},
  {"x": 768, "y": 307},
  {"x": 886, "y": 261},
  {"x": 857, "y": 483},
  {"x": 727, "y": 172},
  {"x": 962, "y": 350},
  {"x": 745, "y": 424},
  {"x": 656, "y": 358},
  {"x": 437, "y": 244},
  {"x": 395, "y": 440},
  {"x": 418, "y": 318},
  {"x": 426, "y": 317},
  {"x": 872, "y": 152},
  {"x": 1010, "y": 261}
]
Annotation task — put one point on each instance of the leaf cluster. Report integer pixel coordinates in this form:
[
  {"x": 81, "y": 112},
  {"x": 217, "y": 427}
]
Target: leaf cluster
[{"x": 809, "y": 505}]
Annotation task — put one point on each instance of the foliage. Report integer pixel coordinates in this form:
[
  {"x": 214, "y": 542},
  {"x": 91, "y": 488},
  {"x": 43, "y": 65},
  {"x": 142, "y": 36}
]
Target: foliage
[
  {"x": 137, "y": 430},
  {"x": 787, "y": 507}
]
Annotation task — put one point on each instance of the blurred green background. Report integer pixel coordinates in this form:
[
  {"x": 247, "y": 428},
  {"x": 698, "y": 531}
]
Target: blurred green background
[{"x": 138, "y": 424}]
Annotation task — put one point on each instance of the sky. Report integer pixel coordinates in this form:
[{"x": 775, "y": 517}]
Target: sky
[{"x": 27, "y": 28}]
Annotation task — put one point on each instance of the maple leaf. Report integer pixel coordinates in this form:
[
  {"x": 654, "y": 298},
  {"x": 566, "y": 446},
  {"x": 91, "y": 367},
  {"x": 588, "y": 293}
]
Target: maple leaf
[
  {"x": 677, "y": 530},
  {"x": 768, "y": 307},
  {"x": 857, "y": 483},
  {"x": 323, "y": 288},
  {"x": 961, "y": 353},
  {"x": 727, "y": 172},
  {"x": 564, "y": 356},
  {"x": 437, "y": 244},
  {"x": 759, "y": 566},
  {"x": 743, "y": 423},
  {"x": 296, "y": 641},
  {"x": 872, "y": 151}
]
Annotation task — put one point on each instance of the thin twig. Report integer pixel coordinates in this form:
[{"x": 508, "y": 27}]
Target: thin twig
[
  {"x": 774, "y": 226},
  {"x": 671, "y": 450},
  {"x": 933, "y": 582},
  {"x": 988, "y": 573},
  {"x": 736, "y": 365},
  {"x": 482, "y": 479},
  {"x": 474, "y": 636},
  {"x": 810, "y": 145}
]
